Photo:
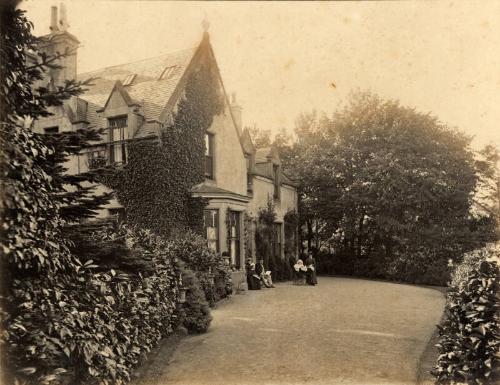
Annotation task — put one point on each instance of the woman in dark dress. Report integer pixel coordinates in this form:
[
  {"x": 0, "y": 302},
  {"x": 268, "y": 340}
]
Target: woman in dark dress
[
  {"x": 253, "y": 280},
  {"x": 311, "y": 278}
]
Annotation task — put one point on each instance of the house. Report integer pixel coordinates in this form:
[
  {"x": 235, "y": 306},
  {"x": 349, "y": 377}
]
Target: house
[{"x": 134, "y": 101}]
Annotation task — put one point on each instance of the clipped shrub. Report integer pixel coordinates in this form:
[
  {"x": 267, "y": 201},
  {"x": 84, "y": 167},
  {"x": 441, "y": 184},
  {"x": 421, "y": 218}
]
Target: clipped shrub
[
  {"x": 196, "y": 316},
  {"x": 469, "y": 344}
]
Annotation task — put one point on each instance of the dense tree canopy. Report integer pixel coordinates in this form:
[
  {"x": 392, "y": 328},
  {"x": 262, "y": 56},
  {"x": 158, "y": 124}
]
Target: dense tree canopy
[{"x": 388, "y": 190}]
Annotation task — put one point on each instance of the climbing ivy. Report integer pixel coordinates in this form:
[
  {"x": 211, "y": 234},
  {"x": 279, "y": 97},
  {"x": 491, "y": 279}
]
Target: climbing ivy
[
  {"x": 154, "y": 187},
  {"x": 249, "y": 235},
  {"x": 291, "y": 222}
]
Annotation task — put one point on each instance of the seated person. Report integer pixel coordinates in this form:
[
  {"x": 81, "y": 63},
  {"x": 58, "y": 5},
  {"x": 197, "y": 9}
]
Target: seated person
[
  {"x": 253, "y": 280},
  {"x": 311, "y": 278},
  {"x": 300, "y": 272},
  {"x": 265, "y": 276}
]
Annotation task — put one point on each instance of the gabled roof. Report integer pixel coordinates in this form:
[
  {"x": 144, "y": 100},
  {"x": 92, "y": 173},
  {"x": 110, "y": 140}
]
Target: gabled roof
[
  {"x": 119, "y": 87},
  {"x": 246, "y": 142},
  {"x": 147, "y": 88}
]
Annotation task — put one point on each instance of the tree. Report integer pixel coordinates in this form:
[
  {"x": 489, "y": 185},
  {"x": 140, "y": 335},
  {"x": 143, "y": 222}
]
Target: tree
[
  {"x": 260, "y": 138},
  {"x": 388, "y": 187},
  {"x": 75, "y": 192},
  {"x": 488, "y": 190},
  {"x": 35, "y": 257}
]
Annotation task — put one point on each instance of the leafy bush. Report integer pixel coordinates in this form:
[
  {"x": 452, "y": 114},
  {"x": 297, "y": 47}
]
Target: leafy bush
[
  {"x": 195, "y": 311},
  {"x": 469, "y": 343},
  {"x": 211, "y": 270},
  {"x": 87, "y": 326}
]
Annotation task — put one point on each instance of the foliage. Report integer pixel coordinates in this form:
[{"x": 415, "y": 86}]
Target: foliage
[
  {"x": 211, "y": 270},
  {"x": 469, "y": 344},
  {"x": 387, "y": 189},
  {"x": 34, "y": 254},
  {"x": 249, "y": 235},
  {"x": 105, "y": 242},
  {"x": 291, "y": 223},
  {"x": 155, "y": 185},
  {"x": 94, "y": 326},
  {"x": 487, "y": 197},
  {"x": 264, "y": 235},
  {"x": 196, "y": 312},
  {"x": 75, "y": 192}
]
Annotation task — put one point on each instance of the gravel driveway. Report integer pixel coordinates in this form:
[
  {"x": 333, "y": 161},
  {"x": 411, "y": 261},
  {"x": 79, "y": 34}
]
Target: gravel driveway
[{"x": 343, "y": 331}]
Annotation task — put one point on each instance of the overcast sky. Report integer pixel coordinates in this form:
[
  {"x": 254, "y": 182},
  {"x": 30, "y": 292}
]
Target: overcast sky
[{"x": 281, "y": 58}]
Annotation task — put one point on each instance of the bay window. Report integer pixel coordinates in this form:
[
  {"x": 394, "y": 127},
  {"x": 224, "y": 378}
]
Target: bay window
[{"x": 211, "y": 228}]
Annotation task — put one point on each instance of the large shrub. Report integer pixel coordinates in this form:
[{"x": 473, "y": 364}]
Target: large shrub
[
  {"x": 469, "y": 343},
  {"x": 94, "y": 326}
]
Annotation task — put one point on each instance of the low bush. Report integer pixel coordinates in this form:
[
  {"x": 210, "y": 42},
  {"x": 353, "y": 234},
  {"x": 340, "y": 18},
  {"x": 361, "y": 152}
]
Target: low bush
[
  {"x": 469, "y": 344},
  {"x": 195, "y": 312},
  {"x": 211, "y": 270}
]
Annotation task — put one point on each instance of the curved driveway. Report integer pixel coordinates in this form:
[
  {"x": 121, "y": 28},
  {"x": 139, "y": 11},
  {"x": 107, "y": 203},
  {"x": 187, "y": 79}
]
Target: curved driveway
[{"x": 343, "y": 331}]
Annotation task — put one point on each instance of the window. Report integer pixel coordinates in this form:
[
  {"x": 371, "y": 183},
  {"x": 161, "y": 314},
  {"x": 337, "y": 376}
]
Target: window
[
  {"x": 249, "y": 174},
  {"x": 211, "y": 228},
  {"x": 234, "y": 238},
  {"x": 118, "y": 134},
  {"x": 129, "y": 79},
  {"x": 209, "y": 156},
  {"x": 276, "y": 179},
  {"x": 167, "y": 73},
  {"x": 276, "y": 240},
  {"x": 51, "y": 130},
  {"x": 96, "y": 158}
]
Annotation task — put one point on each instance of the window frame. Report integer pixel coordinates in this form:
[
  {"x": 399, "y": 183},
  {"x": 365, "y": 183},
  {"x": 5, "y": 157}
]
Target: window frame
[
  {"x": 217, "y": 228},
  {"x": 276, "y": 182},
  {"x": 209, "y": 156},
  {"x": 117, "y": 147},
  {"x": 277, "y": 239},
  {"x": 167, "y": 72}
]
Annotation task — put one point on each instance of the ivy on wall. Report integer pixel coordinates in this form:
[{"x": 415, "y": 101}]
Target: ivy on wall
[
  {"x": 248, "y": 234},
  {"x": 154, "y": 187},
  {"x": 291, "y": 223}
]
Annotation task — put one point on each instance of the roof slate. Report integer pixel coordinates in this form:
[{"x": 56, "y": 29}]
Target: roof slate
[{"x": 146, "y": 88}]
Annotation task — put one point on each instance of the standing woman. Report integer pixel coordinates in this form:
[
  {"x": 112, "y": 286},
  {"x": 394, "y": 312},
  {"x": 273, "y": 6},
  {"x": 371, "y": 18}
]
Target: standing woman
[{"x": 311, "y": 278}]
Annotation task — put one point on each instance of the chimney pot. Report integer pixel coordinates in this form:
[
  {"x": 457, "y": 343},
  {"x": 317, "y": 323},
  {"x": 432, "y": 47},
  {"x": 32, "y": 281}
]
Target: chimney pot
[{"x": 53, "y": 19}]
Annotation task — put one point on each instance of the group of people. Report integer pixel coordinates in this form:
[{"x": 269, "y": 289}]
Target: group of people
[
  {"x": 305, "y": 271},
  {"x": 258, "y": 277}
]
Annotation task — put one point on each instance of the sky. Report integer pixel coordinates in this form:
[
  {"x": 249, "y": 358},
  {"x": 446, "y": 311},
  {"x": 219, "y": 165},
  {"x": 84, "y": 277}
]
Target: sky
[{"x": 281, "y": 58}]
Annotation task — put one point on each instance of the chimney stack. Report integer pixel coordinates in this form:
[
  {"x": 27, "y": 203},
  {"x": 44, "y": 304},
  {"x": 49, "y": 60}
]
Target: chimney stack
[
  {"x": 237, "y": 112},
  {"x": 60, "y": 41},
  {"x": 63, "y": 17},
  {"x": 53, "y": 19}
]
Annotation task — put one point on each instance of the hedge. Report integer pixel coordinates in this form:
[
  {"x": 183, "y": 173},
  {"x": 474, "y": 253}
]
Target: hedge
[
  {"x": 469, "y": 343},
  {"x": 92, "y": 326}
]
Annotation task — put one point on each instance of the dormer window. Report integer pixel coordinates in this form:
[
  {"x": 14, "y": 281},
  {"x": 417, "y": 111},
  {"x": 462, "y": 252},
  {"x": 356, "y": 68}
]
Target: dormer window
[
  {"x": 129, "y": 79},
  {"x": 118, "y": 134},
  {"x": 209, "y": 156},
  {"x": 167, "y": 73}
]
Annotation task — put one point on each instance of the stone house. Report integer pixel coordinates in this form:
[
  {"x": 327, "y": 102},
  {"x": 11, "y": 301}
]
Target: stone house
[{"x": 134, "y": 101}]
